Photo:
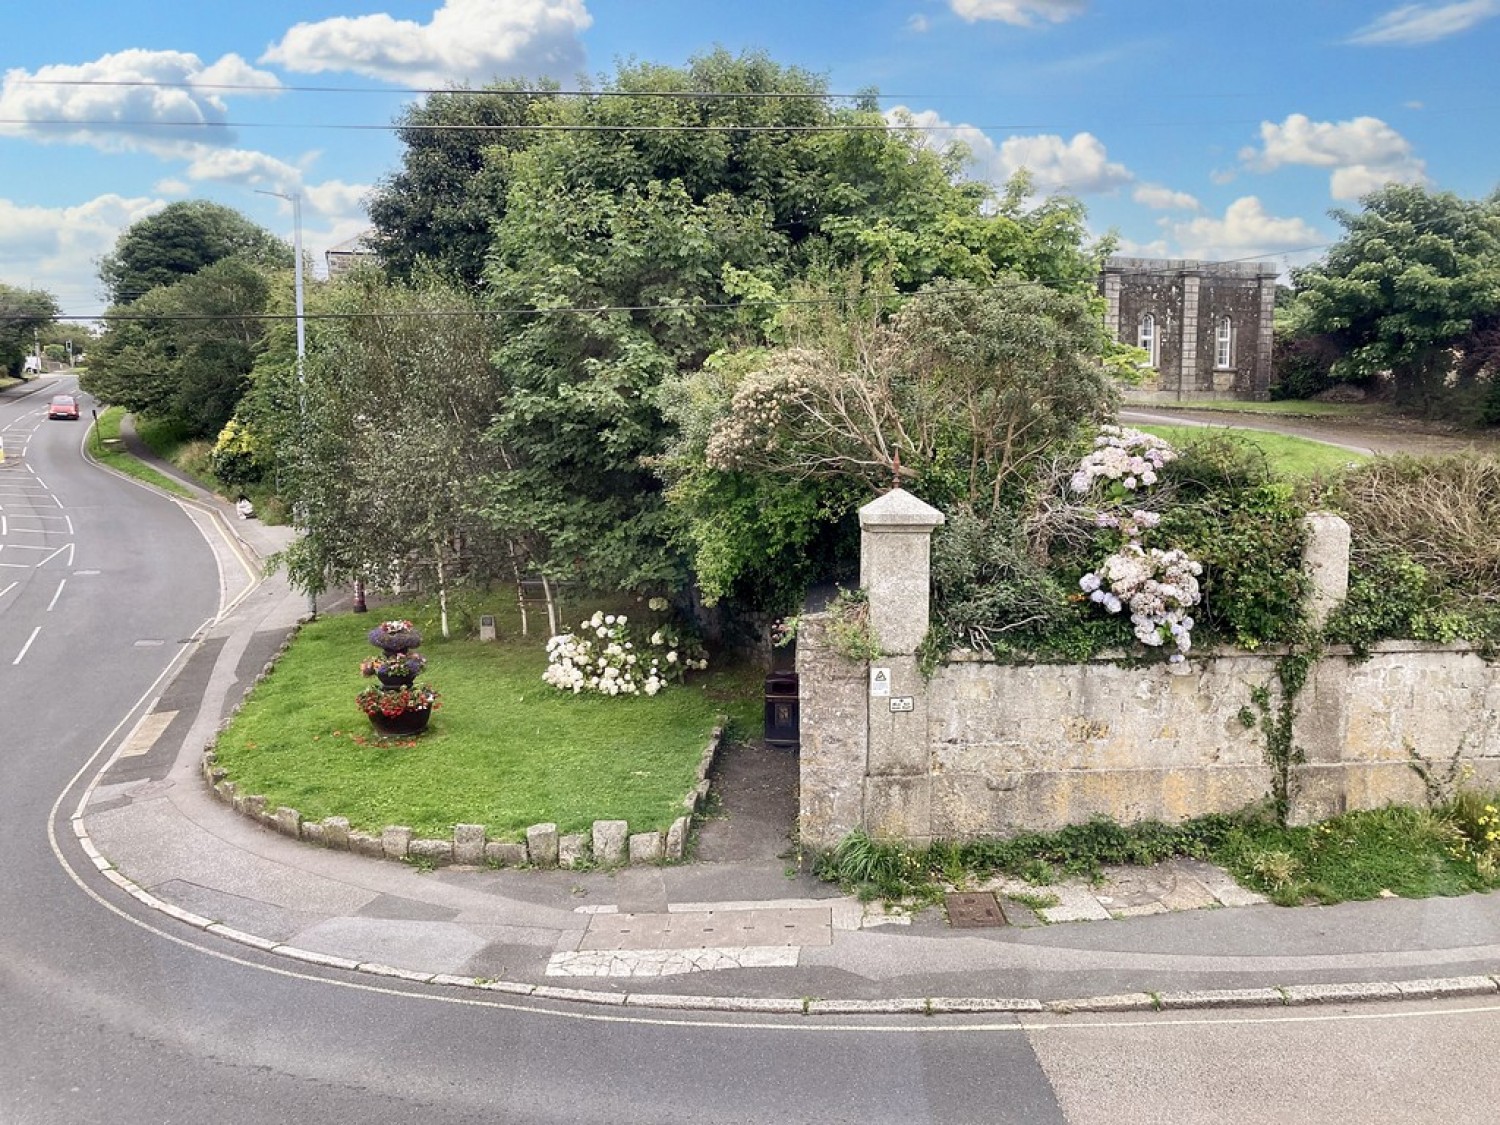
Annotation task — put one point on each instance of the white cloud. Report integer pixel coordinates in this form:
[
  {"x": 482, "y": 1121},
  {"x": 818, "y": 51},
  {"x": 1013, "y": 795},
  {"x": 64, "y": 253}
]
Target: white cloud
[
  {"x": 1021, "y": 13},
  {"x": 1363, "y": 153},
  {"x": 1246, "y": 230},
  {"x": 1164, "y": 199},
  {"x": 172, "y": 186},
  {"x": 131, "y": 101},
  {"x": 56, "y": 248},
  {"x": 337, "y": 199},
  {"x": 1079, "y": 166},
  {"x": 467, "y": 41},
  {"x": 1412, "y": 24},
  {"x": 1156, "y": 248},
  {"x": 917, "y": 24},
  {"x": 244, "y": 167}
]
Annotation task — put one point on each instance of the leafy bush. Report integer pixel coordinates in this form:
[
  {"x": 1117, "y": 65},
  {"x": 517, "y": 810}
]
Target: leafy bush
[
  {"x": 1230, "y": 513},
  {"x": 1426, "y": 556}
]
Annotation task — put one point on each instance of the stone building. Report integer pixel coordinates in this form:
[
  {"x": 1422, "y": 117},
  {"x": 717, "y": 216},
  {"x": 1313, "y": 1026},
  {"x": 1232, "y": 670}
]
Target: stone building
[
  {"x": 1206, "y": 325},
  {"x": 348, "y": 254}
]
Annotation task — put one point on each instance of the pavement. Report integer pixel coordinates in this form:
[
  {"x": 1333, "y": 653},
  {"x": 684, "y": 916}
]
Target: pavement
[{"x": 741, "y": 925}]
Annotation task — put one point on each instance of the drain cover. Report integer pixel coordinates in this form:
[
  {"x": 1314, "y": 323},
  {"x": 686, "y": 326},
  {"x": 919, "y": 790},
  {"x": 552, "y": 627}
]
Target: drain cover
[{"x": 972, "y": 909}]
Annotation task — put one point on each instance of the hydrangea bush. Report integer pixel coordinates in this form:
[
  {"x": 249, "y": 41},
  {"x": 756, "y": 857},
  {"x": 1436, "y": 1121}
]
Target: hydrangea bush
[
  {"x": 1158, "y": 586},
  {"x": 1125, "y": 459},
  {"x": 606, "y": 656}
]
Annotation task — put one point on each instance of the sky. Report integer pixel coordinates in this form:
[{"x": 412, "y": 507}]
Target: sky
[{"x": 1202, "y": 129}]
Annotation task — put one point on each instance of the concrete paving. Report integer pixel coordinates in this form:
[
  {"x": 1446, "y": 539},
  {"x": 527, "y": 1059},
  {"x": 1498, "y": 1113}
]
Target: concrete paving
[{"x": 738, "y": 928}]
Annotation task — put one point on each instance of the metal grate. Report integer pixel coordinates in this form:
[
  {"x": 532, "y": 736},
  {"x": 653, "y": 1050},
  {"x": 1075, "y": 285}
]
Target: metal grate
[{"x": 973, "y": 909}]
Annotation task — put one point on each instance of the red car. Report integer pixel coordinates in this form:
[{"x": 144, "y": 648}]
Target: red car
[{"x": 63, "y": 406}]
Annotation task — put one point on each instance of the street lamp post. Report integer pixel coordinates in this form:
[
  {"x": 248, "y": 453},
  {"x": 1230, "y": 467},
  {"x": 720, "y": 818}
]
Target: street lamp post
[{"x": 296, "y": 201}]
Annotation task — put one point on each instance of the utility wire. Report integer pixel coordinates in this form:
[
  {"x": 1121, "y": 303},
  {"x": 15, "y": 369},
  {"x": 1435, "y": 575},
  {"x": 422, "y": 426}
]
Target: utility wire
[{"x": 599, "y": 310}]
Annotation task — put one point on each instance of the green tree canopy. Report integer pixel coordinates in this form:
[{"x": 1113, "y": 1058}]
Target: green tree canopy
[
  {"x": 382, "y": 446},
  {"x": 23, "y": 312},
  {"x": 630, "y": 233},
  {"x": 1416, "y": 273},
  {"x": 183, "y": 352},
  {"x": 180, "y": 240}
]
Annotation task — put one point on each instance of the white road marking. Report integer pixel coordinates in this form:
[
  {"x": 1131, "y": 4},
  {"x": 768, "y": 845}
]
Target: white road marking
[
  {"x": 146, "y": 732},
  {"x": 68, "y": 547},
  {"x": 57, "y": 595},
  {"x": 8, "y": 589},
  {"x": 669, "y": 962},
  {"x": 22, "y": 654}
]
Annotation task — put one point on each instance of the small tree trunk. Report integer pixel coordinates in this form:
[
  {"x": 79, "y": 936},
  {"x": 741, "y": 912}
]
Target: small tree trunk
[
  {"x": 552, "y": 629},
  {"x": 442, "y": 585}
]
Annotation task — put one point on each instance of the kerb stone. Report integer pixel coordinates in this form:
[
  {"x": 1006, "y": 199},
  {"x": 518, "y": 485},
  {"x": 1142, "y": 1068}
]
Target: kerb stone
[
  {"x": 610, "y": 841},
  {"x": 645, "y": 847},
  {"x": 394, "y": 841},
  {"x": 505, "y": 853},
  {"x": 541, "y": 844},
  {"x": 468, "y": 844}
]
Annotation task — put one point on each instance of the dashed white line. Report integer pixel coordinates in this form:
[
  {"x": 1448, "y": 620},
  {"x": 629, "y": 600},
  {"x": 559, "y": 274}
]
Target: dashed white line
[
  {"x": 22, "y": 654},
  {"x": 57, "y": 595},
  {"x": 8, "y": 589}
]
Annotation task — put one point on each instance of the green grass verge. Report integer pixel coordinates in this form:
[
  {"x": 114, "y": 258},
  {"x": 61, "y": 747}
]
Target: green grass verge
[
  {"x": 1450, "y": 849},
  {"x": 503, "y": 750},
  {"x": 1412, "y": 853},
  {"x": 105, "y": 447},
  {"x": 1288, "y": 456},
  {"x": 1286, "y": 408}
]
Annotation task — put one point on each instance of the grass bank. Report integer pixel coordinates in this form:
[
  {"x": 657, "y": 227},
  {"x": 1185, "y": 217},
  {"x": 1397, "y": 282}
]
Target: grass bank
[
  {"x": 1288, "y": 456},
  {"x": 106, "y": 447},
  {"x": 1451, "y": 848},
  {"x": 503, "y": 750}
]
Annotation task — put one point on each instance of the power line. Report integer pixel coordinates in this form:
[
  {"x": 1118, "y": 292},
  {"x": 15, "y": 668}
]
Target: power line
[
  {"x": 599, "y": 310},
  {"x": 541, "y": 127},
  {"x": 461, "y": 91}
]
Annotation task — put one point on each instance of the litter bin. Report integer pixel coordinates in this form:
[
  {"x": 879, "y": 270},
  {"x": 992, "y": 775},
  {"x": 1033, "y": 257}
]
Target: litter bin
[{"x": 782, "y": 710}]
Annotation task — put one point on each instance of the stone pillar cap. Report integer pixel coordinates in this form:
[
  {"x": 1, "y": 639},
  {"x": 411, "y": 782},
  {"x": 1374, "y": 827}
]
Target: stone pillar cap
[{"x": 899, "y": 510}]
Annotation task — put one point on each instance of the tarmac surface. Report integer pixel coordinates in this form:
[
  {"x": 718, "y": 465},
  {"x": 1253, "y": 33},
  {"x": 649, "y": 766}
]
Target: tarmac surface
[{"x": 740, "y": 926}]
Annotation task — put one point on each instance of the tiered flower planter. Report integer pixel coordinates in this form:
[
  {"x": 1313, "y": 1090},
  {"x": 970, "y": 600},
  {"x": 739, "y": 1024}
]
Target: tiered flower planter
[{"x": 399, "y": 707}]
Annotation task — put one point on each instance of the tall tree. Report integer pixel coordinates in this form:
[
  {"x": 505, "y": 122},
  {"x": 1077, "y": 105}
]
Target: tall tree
[
  {"x": 23, "y": 312},
  {"x": 648, "y": 226},
  {"x": 439, "y": 207},
  {"x": 184, "y": 352},
  {"x": 387, "y": 440},
  {"x": 180, "y": 240},
  {"x": 1414, "y": 275}
]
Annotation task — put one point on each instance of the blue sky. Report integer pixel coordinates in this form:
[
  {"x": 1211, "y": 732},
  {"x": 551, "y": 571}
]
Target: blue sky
[{"x": 1191, "y": 129}]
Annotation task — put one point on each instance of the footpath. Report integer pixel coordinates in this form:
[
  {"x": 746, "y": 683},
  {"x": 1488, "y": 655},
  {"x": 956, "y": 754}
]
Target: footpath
[{"x": 739, "y": 927}]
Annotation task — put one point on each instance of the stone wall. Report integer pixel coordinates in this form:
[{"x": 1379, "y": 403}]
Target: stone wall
[{"x": 990, "y": 749}]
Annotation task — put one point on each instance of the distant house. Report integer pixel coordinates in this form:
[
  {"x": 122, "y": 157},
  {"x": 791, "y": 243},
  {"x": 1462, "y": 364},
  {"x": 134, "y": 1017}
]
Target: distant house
[
  {"x": 349, "y": 253},
  {"x": 1205, "y": 325}
]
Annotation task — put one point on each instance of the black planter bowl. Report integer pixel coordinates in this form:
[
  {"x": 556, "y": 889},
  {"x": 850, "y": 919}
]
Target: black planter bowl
[{"x": 403, "y": 722}]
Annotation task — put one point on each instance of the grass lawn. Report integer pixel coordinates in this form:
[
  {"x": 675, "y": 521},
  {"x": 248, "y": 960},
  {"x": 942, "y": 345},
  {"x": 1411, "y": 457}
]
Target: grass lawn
[
  {"x": 503, "y": 750},
  {"x": 1286, "y": 408},
  {"x": 105, "y": 447},
  {"x": 1289, "y": 456}
]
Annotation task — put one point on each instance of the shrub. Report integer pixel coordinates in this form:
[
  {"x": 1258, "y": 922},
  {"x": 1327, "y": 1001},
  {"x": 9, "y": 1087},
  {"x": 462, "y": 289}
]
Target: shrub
[{"x": 1230, "y": 513}]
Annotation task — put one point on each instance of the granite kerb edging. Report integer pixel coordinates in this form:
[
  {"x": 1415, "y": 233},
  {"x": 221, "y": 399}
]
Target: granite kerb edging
[
  {"x": 609, "y": 843},
  {"x": 1428, "y": 988}
]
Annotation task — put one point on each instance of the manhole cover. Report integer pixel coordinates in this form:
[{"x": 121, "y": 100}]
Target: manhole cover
[{"x": 972, "y": 909}]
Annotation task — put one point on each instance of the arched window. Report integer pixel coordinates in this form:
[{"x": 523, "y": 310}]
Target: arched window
[
  {"x": 1146, "y": 339},
  {"x": 1224, "y": 342}
]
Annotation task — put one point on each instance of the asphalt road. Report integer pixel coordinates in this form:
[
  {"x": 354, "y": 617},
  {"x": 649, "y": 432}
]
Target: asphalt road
[{"x": 110, "y": 1014}]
